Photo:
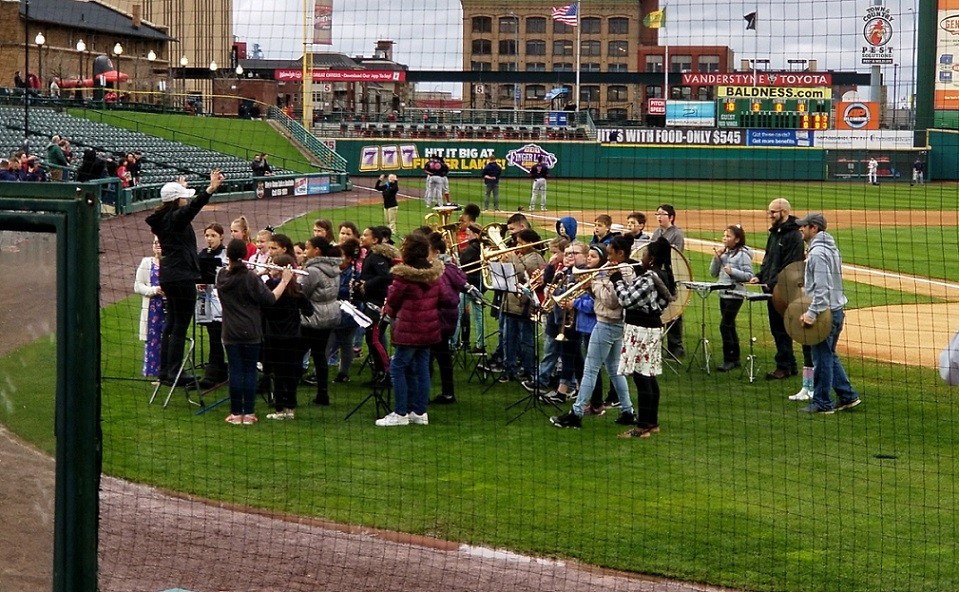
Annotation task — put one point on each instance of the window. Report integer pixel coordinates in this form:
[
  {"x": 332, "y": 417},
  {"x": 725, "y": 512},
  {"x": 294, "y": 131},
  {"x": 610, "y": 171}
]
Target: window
[
  {"x": 535, "y": 66},
  {"x": 616, "y": 92},
  {"x": 482, "y": 47},
  {"x": 617, "y": 68},
  {"x": 654, "y": 63},
  {"x": 590, "y": 25},
  {"x": 618, "y": 26},
  {"x": 654, "y": 91},
  {"x": 704, "y": 93},
  {"x": 562, "y": 48},
  {"x": 560, "y": 27},
  {"x": 481, "y": 66},
  {"x": 563, "y": 67},
  {"x": 508, "y": 24},
  {"x": 680, "y": 63},
  {"x": 590, "y": 48},
  {"x": 589, "y": 93},
  {"x": 617, "y": 114},
  {"x": 507, "y": 66},
  {"x": 507, "y": 47},
  {"x": 482, "y": 24},
  {"x": 681, "y": 92},
  {"x": 709, "y": 63},
  {"x": 535, "y": 25},
  {"x": 618, "y": 49},
  {"x": 536, "y": 47},
  {"x": 506, "y": 91},
  {"x": 535, "y": 91},
  {"x": 591, "y": 67}
]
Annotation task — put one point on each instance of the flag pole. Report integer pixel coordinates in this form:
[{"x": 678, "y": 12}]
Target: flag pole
[
  {"x": 578, "y": 50},
  {"x": 665, "y": 57}
]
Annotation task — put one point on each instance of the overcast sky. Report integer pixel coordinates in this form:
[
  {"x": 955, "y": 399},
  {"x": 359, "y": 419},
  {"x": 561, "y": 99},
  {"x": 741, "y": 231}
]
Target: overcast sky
[{"x": 428, "y": 35}]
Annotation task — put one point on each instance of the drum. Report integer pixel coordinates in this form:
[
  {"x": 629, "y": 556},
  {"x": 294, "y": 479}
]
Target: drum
[
  {"x": 208, "y": 308},
  {"x": 682, "y": 272}
]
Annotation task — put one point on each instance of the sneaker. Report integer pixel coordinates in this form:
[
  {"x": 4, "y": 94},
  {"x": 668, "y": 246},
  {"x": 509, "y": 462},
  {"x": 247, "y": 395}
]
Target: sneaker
[
  {"x": 281, "y": 415},
  {"x": 780, "y": 373},
  {"x": 626, "y": 418},
  {"x": 613, "y": 403},
  {"x": 727, "y": 366},
  {"x": 309, "y": 379},
  {"x": 491, "y": 368},
  {"x": 477, "y": 350},
  {"x": 590, "y": 410},
  {"x": 417, "y": 419},
  {"x": 357, "y": 351},
  {"x": 636, "y": 432},
  {"x": 234, "y": 419},
  {"x": 503, "y": 377},
  {"x": 849, "y": 405},
  {"x": 804, "y": 394},
  {"x": 443, "y": 400},
  {"x": 393, "y": 420},
  {"x": 532, "y": 386},
  {"x": 813, "y": 408},
  {"x": 567, "y": 420},
  {"x": 342, "y": 378},
  {"x": 250, "y": 419},
  {"x": 553, "y": 397},
  {"x": 542, "y": 208}
]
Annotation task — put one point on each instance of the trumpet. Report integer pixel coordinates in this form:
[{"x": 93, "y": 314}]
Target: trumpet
[
  {"x": 276, "y": 267},
  {"x": 573, "y": 292},
  {"x": 606, "y": 267},
  {"x": 558, "y": 282}
]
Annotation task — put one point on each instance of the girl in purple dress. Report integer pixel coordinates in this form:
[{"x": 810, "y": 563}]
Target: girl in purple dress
[{"x": 147, "y": 284}]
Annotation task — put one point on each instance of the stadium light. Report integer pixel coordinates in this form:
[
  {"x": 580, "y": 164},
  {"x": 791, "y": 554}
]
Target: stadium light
[{"x": 40, "y": 40}]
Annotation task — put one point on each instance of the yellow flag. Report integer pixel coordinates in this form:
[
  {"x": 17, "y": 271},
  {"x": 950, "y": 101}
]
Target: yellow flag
[{"x": 655, "y": 19}]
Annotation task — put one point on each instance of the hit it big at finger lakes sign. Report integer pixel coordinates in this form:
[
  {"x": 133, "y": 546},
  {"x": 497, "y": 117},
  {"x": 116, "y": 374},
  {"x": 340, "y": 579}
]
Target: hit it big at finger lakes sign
[{"x": 397, "y": 157}]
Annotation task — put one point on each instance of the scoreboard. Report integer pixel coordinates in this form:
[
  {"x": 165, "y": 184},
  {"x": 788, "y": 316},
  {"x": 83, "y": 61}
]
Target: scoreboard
[{"x": 803, "y": 114}]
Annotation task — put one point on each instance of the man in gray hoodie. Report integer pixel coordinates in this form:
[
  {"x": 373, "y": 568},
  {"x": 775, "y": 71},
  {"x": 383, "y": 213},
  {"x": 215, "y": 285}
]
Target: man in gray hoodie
[{"x": 823, "y": 285}]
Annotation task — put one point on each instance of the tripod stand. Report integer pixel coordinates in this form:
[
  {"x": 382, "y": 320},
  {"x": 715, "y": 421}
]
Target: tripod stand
[
  {"x": 751, "y": 358},
  {"x": 188, "y": 363},
  {"x": 380, "y": 394},
  {"x": 533, "y": 398},
  {"x": 703, "y": 290}
]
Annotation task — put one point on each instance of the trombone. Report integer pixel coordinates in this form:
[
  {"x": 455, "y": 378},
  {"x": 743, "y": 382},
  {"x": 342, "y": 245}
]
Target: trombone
[
  {"x": 606, "y": 267},
  {"x": 489, "y": 254}
]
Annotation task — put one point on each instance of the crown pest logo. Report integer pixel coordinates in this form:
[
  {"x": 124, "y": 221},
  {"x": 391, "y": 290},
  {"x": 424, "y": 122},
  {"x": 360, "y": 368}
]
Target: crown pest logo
[{"x": 528, "y": 155}]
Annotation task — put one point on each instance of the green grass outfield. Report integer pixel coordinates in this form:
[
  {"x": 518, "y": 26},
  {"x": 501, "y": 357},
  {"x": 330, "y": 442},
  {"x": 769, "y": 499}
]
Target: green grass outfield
[{"x": 739, "y": 489}]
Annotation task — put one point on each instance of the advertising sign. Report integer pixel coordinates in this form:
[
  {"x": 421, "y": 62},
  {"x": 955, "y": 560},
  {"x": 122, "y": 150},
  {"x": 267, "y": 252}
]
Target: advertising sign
[
  {"x": 773, "y": 92},
  {"x": 393, "y": 157},
  {"x": 947, "y": 53},
  {"x": 865, "y": 140},
  {"x": 526, "y": 157},
  {"x": 323, "y": 22},
  {"x": 691, "y": 113},
  {"x": 558, "y": 118},
  {"x": 656, "y": 106},
  {"x": 670, "y": 137},
  {"x": 780, "y": 138},
  {"x": 857, "y": 115},
  {"x": 343, "y": 75},
  {"x": 758, "y": 79},
  {"x": 877, "y": 33}
]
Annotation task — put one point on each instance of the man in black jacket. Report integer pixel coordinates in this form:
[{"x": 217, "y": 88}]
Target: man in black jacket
[
  {"x": 390, "y": 188},
  {"x": 784, "y": 246}
]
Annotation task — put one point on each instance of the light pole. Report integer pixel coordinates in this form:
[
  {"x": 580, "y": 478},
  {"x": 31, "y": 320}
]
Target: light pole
[
  {"x": 151, "y": 57},
  {"x": 118, "y": 51},
  {"x": 516, "y": 89},
  {"x": 40, "y": 40},
  {"x": 915, "y": 66},
  {"x": 213, "y": 68},
  {"x": 183, "y": 64},
  {"x": 81, "y": 49}
]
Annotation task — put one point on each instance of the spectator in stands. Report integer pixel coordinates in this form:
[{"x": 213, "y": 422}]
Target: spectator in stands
[
  {"x": 18, "y": 80},
  {"x": 123, "y": 173},
  {"x": 33, "y": 171},
  {"x": 54, "y": 89},
  {"x": 491, "y": 174},
  {"x": 6, "y": 174},
  {"x": 133, "y": 166},
  {"x": 91, "y": 167},
  {"x": 260, "y": 167},
  {"x": 56, "y": 159}
]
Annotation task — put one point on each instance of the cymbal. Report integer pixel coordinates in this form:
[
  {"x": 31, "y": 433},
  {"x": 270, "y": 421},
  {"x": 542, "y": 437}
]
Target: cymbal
[
  {"x": 801, "y": 333},
  {"x": 789, "y": 286}
]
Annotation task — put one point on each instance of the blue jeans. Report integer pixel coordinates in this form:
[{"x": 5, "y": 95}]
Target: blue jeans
[
  {"x": 410, "y": 371},
  {"x": 605, "y": 348},
  {"x": 243, "y": 358},
  {"x": 829, "y": 373},
  {"x": 518, "y": 342}
]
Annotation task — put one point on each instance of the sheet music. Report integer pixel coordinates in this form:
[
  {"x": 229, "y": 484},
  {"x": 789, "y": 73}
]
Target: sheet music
[{"x": 503, "y": 275}]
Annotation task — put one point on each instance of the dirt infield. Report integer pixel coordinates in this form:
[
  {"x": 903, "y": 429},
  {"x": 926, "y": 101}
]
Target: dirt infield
[{"x": 145, "y": 540}]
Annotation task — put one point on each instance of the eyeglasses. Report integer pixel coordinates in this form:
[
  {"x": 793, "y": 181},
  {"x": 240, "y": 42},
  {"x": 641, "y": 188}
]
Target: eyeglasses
[
  {"x": 774, "y": 211},
  {"x": 661, "y": 214}
]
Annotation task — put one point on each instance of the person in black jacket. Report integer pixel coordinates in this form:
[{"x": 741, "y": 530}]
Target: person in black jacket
[
  {"x": 211, "y": 259},
  {"x": 389, "y": 188},
  {"x": 179, "y": 266},
  {"x": 375, "y": 279},
  {"x": 784, "y": 246}
]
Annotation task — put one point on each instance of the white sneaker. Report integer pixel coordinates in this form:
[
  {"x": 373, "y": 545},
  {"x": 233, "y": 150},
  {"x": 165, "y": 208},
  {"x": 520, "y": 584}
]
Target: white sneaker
[
  {"x": 281, "y": 415},
  {"x": 803, "y": 395},
  {"x": 419, "y": 419},
  {"x": 393, "y": 420}
]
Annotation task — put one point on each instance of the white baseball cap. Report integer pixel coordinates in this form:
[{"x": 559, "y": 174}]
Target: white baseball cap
[{"x": 174, "y": 191}]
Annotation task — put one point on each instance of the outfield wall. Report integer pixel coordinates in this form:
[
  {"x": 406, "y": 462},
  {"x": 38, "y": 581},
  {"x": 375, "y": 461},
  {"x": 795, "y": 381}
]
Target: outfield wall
[{"x": 467, "y": 157}]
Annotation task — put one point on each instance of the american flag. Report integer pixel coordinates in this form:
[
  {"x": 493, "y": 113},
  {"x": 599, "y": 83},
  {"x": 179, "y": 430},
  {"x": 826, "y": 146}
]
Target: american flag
[{"x": 566, "y": 14}]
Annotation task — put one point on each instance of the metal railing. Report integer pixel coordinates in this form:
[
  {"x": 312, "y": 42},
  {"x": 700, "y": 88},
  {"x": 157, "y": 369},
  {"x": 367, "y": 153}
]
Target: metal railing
[{"x": 326, "y": 158}]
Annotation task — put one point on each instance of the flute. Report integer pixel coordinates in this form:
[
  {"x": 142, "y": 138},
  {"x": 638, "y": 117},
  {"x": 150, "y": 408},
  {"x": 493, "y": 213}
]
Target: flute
[{"x": 275, "y": 267}]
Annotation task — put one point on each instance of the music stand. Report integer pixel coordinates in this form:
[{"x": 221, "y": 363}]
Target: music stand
[
  {"x": 750, "y": 366},
  {"x": 533, "y": 399},
  {"x": 380, "y": 394},
  {"x": 703, "y": 290}
]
